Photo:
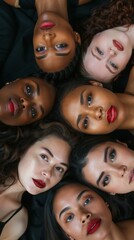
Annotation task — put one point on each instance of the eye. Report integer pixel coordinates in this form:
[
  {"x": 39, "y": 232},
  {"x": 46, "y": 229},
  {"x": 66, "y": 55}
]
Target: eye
[
  {"x": 70, "y": 218},
  {"x": 99, "y": 51},
  {"x": 89, "y": 99},
  {"x": 112, "y": 155},
  {"x": 61, "y": 46},
  {"x": 33, "y": 112},
  {"x": 29, "y": 90},
  {"x": 41, "y": 49},
  {"x": 114, "y": 65},
  {"x": 60, "y": 169},
  {"x": 106, "y": 180},
  {"x": 87, "y": 201},
  {"x": 85, "y": 123},
  {"x": 44, "y": 157}
]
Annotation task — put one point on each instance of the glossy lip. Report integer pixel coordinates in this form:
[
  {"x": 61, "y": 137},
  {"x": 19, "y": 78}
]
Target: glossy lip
[
  {"x": 131, "y": 176},
  {"x": 118, "y": 45},
  {"x": 46, "y": 25},
  {"x": 39, "y": 183},
  {"x": 13, "y": 106},
  {"x": 93, "y": 225},
  {"x": 111, "y": 114}
]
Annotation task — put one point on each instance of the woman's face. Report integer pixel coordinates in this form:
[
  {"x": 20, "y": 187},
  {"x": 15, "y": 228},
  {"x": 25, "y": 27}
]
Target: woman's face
[
  {"x": 92, "y": 109},
  {"x": 54, "y": 42},
  {"x": 25, "y": 101},
  {"x": 44, "y": 164},
  {"x": 81, "y": 213},
  {"x": 107, "y": 55},
  {"x": 110, "y": 167}
]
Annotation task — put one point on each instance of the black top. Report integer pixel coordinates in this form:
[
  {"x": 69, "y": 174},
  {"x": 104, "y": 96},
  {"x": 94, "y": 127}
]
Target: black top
[{"x": 2, "y": 224}]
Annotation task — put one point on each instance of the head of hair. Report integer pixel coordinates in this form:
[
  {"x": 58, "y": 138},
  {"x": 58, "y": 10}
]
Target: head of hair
[{"x": 15, "y": 141}]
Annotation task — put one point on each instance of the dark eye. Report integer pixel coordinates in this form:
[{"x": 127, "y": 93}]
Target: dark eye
[
  {"x": 60, "y": 169},
  {"x": 106, "y": 180},
  {"x": 85, "y": 123},
  {"x": 112, "y": 155},
  {"x": 61, "y": 46},
  {"x": 33, "y": 112},
  {"x": 89, "y": 99},
  {"x": 99, "y": 51},
  {"x": 29, "y": 90},
  {"x": 114, "y": 65},
  {"x": 70, "y": 218},
  {"x": 44, "y": 157},
  {"x": 88, "y": 200},
  {"x": 41, "y": 49}
]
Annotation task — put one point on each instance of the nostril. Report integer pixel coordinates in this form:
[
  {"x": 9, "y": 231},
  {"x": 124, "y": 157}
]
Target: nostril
[
  {"x": 22, "y": 100},
  {"x": 83, "y": 221}
]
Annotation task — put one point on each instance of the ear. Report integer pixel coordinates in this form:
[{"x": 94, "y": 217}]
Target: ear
[
  {"x": 77, "y": 37},
  {"x": 124, "y": 144},
  {"x": 96, "y": 83}
]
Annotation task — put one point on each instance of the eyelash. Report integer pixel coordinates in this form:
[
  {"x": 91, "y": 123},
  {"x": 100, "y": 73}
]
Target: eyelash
[
  {"x": 44, "y": 157},
  {"x": 99, "y": 51},
  {"x": 114, "y": 65},
  {"x": 106, "y": 180},
  {"x": 61, "y": 46},
  {"x": 33, "y": 112},
  {"x": 112, "y": 155},
  {"x": 41, "y": 49},
  {"x": 85, "y": 123},
  {"x": 29, "y": 90},
  {"x": 60, "y": 170}
]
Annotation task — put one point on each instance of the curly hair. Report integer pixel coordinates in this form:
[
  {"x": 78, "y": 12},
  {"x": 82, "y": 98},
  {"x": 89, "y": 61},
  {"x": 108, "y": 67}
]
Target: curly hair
[{"x": 15, "y": 141}]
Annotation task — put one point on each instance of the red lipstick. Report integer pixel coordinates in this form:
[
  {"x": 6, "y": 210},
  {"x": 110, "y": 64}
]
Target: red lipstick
[
  {"x": 46, "y": 25},
  {"x": 131, "y": 177},
  {"x": 118, "y": 45},
  {"x": 39, "y": 183},
  {"x": 93, "y": 225},
  {"x": 111, "y": 114},
  {"x": 13, "y": 106}
]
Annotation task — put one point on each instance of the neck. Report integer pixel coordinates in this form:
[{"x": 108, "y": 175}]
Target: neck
[
  {"x": 117, "y": 232},
  {"x": 57, "y": 6}
]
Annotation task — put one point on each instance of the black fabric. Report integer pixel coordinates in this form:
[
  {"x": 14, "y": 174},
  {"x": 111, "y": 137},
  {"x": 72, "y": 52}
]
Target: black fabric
[{"x": 2, "y": 224}]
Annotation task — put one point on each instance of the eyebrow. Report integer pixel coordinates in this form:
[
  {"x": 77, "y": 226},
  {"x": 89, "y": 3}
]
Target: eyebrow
[
  {"x": 41, "y": 57},
  {"x": 109, "y": 69},
  {"x": 81, "y": 102},
  {"x": 105, "y": 160},
  {"x": 78, "y": 198},
  {"x": 95, "y": 55},
  {"x": 57, "y": 54},
  {"x": 38, "y": 93}
]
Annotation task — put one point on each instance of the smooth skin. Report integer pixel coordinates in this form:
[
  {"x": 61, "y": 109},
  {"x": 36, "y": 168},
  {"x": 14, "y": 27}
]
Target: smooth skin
[
  {"x": 24, "y": 101},
  {"x": 75, "y": 206}
]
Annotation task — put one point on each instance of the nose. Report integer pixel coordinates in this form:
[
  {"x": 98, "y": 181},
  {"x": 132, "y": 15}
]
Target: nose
[
  {"x": 47, "y": 173},
  {"x": 120, "y": 170},
  {"x": 48, "y": 36},
  {"x": 24, "y": 103},
  {"x": 85, "y": 217},
  {"x": 95, "y": 112},
  {"x": 113, "y": 52}
]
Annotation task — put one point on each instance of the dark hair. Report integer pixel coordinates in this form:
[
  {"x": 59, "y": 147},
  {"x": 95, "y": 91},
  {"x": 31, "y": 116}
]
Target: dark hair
[
  {"x": 52, "y": 230},
  {"x": 15, "y": 141},
  {"x": 114, "y": 14}
]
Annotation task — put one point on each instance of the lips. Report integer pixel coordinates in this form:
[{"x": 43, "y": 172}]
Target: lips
[
  {"x": 111, "y": 114},
  {"x": 46, "y": 25},
  {"x": 39, "y": 183},
  {"x": 93, "y": 225},
  {"x": 13, "y": 106},
  {"x": 118, "y": 45},
  {"x": 131, "y": 177}
]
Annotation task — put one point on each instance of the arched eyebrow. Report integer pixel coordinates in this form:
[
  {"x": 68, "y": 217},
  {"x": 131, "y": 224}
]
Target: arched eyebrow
[{"x": 81, "y": 103}]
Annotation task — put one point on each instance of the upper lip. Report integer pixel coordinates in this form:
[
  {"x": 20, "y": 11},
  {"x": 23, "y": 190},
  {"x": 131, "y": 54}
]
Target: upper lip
[
  {"x": 131, "y": 176},
  {"x": 39, "y": 183},
  {"x": 13, "y": 106},
  {"x": 111, "y": 114},
  {"x": 118, "y": 45},
  {"x": 93, "y": 225},
  {"x": 47, "y": 25}
]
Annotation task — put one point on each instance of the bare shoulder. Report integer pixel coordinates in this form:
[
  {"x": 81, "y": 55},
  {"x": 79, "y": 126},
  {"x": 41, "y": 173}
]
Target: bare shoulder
[
  {"x": 127, "y": 228},
  {"x": 15, "y": 228},
  {"x": 14, "y": 3}
]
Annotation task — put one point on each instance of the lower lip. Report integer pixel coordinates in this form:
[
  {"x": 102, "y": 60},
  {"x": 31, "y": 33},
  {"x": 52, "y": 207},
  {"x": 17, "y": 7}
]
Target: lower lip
[
  {"x": 131, "y": 179},
  {"x": 118, "y": 45},
  {"x": 46, "y": 25},
  {"x": 11, "y": 106},
  {"x": 93, "y": 226},
  {"x": 39, "y": 184},
  {"x": 111, "y": 114}
]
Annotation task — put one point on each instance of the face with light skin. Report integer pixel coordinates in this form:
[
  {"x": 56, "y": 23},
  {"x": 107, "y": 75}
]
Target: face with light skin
[
  {"x": 107, "y": 55},
  {"x": 89, "y": 109},
  {"x": 44, "y": 164},
  {"x": 24, "y": 101},
  {"x": 55, "y": 44},
  {"x": 78, "y": 209},
  {"x": 110, "y": 167}
]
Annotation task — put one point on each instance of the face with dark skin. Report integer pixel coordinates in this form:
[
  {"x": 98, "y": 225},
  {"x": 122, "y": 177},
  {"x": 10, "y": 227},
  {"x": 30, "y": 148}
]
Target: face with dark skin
[
  {"x": 24, "y": 101},
  {"x": 54, "y": 42},
  {"x": 81, "y": 213}
]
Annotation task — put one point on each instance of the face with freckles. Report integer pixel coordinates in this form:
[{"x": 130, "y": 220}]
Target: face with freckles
[
  {"x": 25, "y": 101},
  {"x": 110, "y": 51},
  {"x": 44, "y": 164},
  {"x": 110, "y": 167},
  {"x": 92, "y": 109},
  {"x": 81, "y": 213},
  {"x": 54, "y": 42}
]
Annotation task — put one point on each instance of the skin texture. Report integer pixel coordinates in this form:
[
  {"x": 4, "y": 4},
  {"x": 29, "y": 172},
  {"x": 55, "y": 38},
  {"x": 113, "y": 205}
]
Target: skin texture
[
  {"x": 110, "y": 167},
  {"x": 56, "y": 44},
  {"x": 74, "y": 213},
  {"x": 85, "y": 109},
  {"x": 46, "y": 160},
  {"x": 25, "y": 101},
  {"x": 103, "y": 54}
]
